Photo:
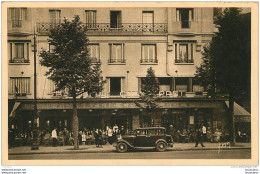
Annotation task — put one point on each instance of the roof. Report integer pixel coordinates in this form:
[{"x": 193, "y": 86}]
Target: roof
[
  {"x": 238, "y": 110},
  {"x": 151, "y": 128}
]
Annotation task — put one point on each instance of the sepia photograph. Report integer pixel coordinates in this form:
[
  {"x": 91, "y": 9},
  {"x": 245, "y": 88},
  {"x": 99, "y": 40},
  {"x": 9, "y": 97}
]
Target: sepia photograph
[{"x": 130, "y": 81}]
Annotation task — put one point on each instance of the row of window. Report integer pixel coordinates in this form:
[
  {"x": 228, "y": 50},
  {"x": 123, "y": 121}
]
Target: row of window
[
  {"x": 21, "y": 85},
  {"x": 19, "y": 52},
  {"x": 183, "y": 15}
]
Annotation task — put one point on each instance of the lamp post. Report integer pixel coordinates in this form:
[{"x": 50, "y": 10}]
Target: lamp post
[{"x": 35, "y": 144}]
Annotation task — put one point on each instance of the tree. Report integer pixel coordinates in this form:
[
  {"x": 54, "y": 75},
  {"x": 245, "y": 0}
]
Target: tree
[
  {"x": 226, "y": 61},
  {"x": 149, "y": 90},
  {"x": 70, "y": 66}
]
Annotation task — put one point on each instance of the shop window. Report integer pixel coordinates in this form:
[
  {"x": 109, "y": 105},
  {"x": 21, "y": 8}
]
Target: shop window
[
  {"x": 94, "y": 52},
  {"x": 19, "y": 52},
  {"x": 181, "y": 84},
  {"x": 17, "y": 16},
  {"x": 184, "y": 53},
  {"x": 20, "y": 86},
  {"x": 115, "y": 19},
  {"x": 149, "y": 54},
  {"x": 116, "y": 53},
  {"x": 91, "y": 18},
  {"x": 185, "y": 16},
  {"x": 55, "y": 16}
]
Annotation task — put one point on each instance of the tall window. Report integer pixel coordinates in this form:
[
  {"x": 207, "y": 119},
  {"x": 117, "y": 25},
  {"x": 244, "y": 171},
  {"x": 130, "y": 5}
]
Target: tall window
[
  {"x": 149, "y": 53},
  {"x": 91, "y": 18},
  {"x": 148, "y": 19},
  {"x": 184, "y": 53},
  {"x": 185, "y": 16},
  {"x": 20, "y": 85},
  {"x": 115, "y": 85},
  {"x": 55, "y": 16},
  {"x": 94, "y": 52},
  {"x": 115, "y": 19},
  {"x": 116, "y": 53},
  {"x": 17, "y": 16},
  {"x": 19, "y": 52}
]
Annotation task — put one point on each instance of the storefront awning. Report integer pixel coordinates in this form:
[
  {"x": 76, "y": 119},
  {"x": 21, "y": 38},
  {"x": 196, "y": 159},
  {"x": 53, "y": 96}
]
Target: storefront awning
[
  {"x": 241, "y": 115},
  {"x": 16, "y": 105}
]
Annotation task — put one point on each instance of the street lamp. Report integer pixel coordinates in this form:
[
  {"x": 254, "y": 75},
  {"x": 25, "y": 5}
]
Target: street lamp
[{"x": 35, "y": 144}]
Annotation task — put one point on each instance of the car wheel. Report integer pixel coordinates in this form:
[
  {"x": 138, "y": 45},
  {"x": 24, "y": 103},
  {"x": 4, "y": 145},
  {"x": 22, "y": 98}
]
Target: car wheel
[
  {"x": 160, "y": 146},
  {"x": 121, "y": 147}
]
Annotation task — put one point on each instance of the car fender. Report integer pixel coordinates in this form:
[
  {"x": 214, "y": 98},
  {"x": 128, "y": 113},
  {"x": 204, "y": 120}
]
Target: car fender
[
  {"x": 126, "y": 142},
  {"x": 161, "y": 140}
]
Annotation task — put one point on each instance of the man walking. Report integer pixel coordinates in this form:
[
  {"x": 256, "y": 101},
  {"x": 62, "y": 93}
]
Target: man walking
[
  {"x": 199, "y": 137},
  {"x": 54, "y": 137}
]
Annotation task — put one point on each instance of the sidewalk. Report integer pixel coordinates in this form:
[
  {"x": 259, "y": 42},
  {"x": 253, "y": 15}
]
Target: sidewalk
[{"x": 24, "y": 150}]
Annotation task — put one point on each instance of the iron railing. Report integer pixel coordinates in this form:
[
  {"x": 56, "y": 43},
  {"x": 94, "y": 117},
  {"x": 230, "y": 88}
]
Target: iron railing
[
  {"x": 116, "y": 60},
  {"x": 109, "y": 28},
  {"x": 184, "y": 61},
  {"x": 16, "y": 23},
  {"x": 148, "y": 61},
  {"x": 19, "y": 60}
]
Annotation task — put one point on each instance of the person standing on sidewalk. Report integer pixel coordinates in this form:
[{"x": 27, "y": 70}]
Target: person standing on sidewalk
[
  {"x": 54, "y": 137},
  {"x": 199, "y": 137},
  {"x": 83, "y": 138},
  {"x": 204, "y": 131}
]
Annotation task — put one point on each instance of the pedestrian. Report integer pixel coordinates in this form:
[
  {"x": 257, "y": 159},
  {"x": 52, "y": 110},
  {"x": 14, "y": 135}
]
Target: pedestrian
[
  {"x": 54, "y": 137},
  {"x": 110, "y": 135},
  {"x": 83, "y": 138},
  {"x": 204, "y": 131},
  {"x": 122, "y": 131},
  {"x": 100, "y": 138},
  {"x": 96, "y": 136},
  {"x": 199, "y": 137}
]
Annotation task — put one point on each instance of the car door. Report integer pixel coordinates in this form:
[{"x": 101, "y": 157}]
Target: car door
[{"x": 141, "y": 139}]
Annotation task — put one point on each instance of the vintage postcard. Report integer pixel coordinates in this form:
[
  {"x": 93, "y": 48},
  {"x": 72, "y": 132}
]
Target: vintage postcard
[{"x": 129, "y": 83}]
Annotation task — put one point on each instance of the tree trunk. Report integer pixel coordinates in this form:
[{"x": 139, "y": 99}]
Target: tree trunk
[
  {"x": 75, "y": 122},
  {"x": 231, "y": 117}
]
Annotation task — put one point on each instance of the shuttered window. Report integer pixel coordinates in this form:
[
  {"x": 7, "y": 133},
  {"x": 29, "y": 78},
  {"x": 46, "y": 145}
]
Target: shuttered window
[
  {"x": 17, "y": 16},
  {"x": 91, "y": 18},
  {"x": 55, "y": 16},
  {"x": 116, "y": 53},
  {"x": 20, "y": 85},
  {"x": 149, "y": 53}
]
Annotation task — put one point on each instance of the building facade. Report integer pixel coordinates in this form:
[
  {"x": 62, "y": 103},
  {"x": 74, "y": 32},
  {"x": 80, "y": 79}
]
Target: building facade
[{"x": 126, "y": 41}]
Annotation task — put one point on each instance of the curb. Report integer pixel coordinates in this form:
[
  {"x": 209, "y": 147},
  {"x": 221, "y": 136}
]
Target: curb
[{"x": 112, "y": 151}]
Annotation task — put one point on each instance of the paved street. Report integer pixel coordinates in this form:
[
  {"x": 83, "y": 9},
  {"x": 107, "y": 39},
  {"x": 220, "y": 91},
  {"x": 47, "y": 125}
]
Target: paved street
[{"x": 145, "y": 154}]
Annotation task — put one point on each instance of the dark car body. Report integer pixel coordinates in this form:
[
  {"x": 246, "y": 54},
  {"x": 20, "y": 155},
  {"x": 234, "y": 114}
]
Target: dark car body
[{"x": 155, "y": 137}]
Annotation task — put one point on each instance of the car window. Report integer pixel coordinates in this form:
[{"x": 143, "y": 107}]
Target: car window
[
  {"x": 141, "y": 132},
  {"x": 151, "y": 132}
]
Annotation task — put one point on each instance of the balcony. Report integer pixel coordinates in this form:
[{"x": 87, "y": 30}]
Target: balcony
[
  {"x": 148, "y": 61},
  {"x": 124, "y": 28},
  {"x": 19, "y": 60},
  {"x": 116, "y": 61},
  {"x": 181, "y": 61}
]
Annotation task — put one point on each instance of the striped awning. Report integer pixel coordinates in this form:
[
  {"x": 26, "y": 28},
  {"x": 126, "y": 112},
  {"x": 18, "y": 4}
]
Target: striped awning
[
  {"x": 16, "y": 105},
  {"x": 240, "y": 114}
]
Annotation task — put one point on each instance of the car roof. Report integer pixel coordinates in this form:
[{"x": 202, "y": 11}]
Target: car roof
[{"x": 145, "y": 128}]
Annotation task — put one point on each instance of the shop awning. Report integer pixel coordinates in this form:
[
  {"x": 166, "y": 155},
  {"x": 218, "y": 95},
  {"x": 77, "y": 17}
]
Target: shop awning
[
  {"x": 16, "y": 105},
  {"x": 241, "y": 115}
]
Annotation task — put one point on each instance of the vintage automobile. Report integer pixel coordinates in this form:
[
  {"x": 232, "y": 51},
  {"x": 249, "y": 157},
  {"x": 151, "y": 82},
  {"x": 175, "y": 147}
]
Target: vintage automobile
[{"x": 145, "y": 137}]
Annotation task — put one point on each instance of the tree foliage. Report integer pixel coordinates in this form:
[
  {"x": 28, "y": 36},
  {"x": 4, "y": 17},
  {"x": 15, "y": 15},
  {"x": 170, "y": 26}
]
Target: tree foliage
[
  {"x": 227, "y": 59},
  {"x": 149, "y": 90},
  {"x": 69, "y": 64}
]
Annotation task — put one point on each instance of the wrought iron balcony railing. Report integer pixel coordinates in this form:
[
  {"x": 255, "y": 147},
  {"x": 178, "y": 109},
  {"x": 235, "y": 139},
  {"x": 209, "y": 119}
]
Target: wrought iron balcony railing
[
  {"x": 148, "y": 61},
  {"x": 19, "y": 60},
  {"x": 16, "y": 23},
  {"x": 116, "y": 60},
  {"x": 109, "y": 28},
  {"x": 184, "y": 61}
]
